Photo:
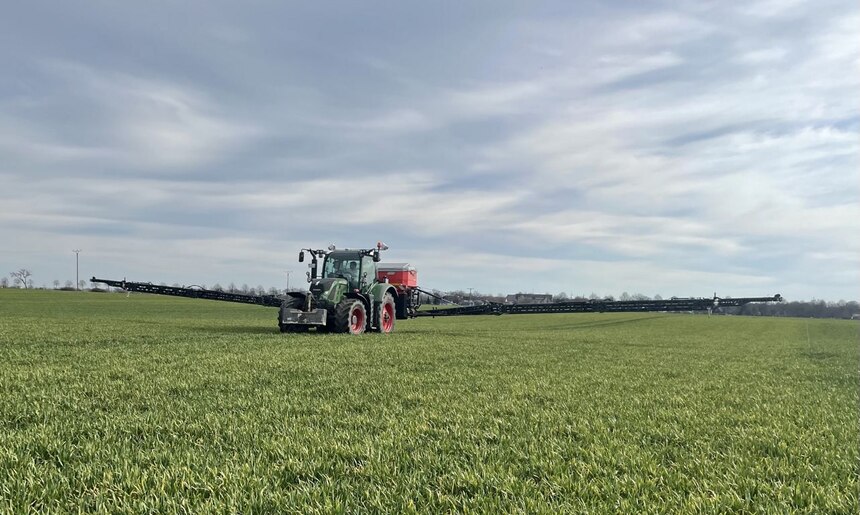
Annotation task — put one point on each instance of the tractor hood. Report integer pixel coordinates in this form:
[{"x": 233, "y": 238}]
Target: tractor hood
[{"x": 328, "y": 291}]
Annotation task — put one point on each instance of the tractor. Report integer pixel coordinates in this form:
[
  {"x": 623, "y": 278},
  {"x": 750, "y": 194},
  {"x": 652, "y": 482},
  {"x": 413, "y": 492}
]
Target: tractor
[{"x": 348, "y": 293}]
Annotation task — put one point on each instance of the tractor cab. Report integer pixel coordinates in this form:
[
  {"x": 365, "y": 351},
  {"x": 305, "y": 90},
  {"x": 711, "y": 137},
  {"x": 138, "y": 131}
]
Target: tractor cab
[{"x": 358, "y": 269}]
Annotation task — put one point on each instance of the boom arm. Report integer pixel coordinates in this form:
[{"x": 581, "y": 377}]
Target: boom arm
[
  {"x": 194, "y": 293},
  {"x": 601, "y": 306}
]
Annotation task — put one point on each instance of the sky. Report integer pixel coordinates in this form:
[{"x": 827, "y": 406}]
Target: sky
[{"x": 673, "y": 148}]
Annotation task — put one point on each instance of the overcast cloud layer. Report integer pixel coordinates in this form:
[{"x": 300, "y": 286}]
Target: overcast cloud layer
[{"x": 678, "y": 148}]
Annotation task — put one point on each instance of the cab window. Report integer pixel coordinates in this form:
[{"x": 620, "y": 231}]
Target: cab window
[
  {"x": 368, "y": 267},
  {"x": 345, "y": 268}
]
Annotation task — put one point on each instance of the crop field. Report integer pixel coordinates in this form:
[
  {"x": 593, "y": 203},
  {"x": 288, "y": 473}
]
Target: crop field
[{"x": 155, "y": 404}]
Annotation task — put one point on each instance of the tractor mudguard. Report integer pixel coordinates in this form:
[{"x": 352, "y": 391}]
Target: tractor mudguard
[{"x": 378, "y": 291}]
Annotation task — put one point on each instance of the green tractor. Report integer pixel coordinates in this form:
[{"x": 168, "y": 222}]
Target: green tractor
[{"x": 346, "y": 295}]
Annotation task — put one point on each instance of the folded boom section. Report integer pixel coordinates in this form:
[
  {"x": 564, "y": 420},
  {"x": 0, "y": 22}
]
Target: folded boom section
[
  {"x": 600, "y": 306},
  {"x": 194, "y": 293}
]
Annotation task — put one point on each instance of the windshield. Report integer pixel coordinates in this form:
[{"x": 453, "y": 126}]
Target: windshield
[{"x": 346, "y": 266}]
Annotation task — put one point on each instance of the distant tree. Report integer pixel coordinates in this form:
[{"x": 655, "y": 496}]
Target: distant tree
[
  {"x": 22, "y": 277},
  {"x": 82, "y": 284},
  {"x": 639, "y": 296},
  {"x": 217, "y": 287},
  {"x": 56, "y": 284},
  {"x": 437, "y": 298},
  {"x": 273, "y": 291},
  {"x": 231, "y": 287},
  {"x": 562, "y": 296},
  {"x": 69, "y": 285},
  {"x": 4, "y": 282},
  {"x": 658, "y": 297},
  {"x": 750, "y": 310},
  {"x": 625, "y": 296},
  {"x": 593, "y": 296},
  {"x": 245, "y": 288},
  {"x": 176, "y": 285},
  {"x": 457, "y": 296}
]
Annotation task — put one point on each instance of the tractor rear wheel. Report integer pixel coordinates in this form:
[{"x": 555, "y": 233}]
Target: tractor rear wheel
[
  {"x": 350, "y": 317},
  {"x": 386, "y": 314}
]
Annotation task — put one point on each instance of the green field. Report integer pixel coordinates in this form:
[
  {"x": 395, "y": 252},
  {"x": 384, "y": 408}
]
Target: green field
[{"x": 149, "y": 403}]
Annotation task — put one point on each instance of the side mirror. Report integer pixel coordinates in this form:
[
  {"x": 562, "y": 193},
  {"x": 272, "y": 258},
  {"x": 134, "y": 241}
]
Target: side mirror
[{"x": 302, "y": 256}]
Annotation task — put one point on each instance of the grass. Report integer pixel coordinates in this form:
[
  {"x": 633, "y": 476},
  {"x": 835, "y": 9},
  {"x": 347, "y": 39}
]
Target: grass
[{"x": 143, "y": 403}]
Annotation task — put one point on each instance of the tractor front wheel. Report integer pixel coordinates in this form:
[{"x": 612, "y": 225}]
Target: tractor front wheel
[
  {"x": 294, "y": 328},
  {"x": 291, "y": 303},
  {"x": 350, "y": 316}
]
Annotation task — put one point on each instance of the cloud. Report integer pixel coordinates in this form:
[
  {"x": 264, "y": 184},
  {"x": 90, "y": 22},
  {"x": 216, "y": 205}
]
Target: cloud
[
  {"x": 602, "y": 147},
  {"x": 134, "y": 122}
]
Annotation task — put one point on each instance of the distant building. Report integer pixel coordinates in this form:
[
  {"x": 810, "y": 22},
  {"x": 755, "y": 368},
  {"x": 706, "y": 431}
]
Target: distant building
[{"x": 528, "y": 298}]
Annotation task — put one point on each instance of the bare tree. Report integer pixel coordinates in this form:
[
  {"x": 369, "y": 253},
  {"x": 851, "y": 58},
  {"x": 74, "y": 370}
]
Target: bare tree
[
  {"x": 81, "y": 284},
  {"x": 22, "y": 277},
  {"x": 4, "y": 282},
  {"x": 56, "y": 284}
]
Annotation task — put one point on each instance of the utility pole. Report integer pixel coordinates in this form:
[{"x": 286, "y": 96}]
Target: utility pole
[
  {"x": 288, "y": 279},
  {"x": 470, "y": 295},
  {"x": 77, "y": 270}
]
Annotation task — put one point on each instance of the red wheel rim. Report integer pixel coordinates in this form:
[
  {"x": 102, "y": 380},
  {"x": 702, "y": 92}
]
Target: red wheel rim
[
  {"x": 387, "y": 318},
  {"x": 356, "y": 319}
]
